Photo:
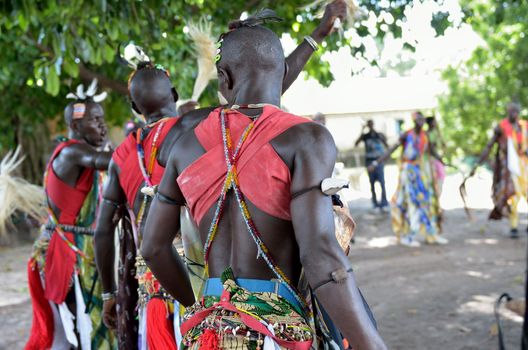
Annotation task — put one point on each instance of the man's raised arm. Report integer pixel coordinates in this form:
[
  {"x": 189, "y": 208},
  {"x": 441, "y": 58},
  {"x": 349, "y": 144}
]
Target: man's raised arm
[
  {"x": 298, "y": 58},
  {"x": 163, "y": 222},
  {"x": 327, "y": 268},
  {"x": 88, "y": 157}
]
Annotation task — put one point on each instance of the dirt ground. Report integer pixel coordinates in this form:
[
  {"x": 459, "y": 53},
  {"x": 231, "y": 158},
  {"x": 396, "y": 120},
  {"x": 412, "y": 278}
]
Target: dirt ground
[{"x": 432, "y": 297}]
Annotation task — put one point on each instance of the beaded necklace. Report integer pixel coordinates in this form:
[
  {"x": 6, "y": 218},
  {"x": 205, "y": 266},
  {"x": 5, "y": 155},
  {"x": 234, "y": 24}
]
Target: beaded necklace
[
  {"x": 231, "y": 182},
  {"x": 146, "y": 170}
]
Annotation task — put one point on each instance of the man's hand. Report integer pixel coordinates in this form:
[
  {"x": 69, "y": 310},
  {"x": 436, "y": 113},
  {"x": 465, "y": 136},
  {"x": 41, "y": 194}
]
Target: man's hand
[
  {"x": 336, "y": 9},
  {"x": 109, "y": 313}
]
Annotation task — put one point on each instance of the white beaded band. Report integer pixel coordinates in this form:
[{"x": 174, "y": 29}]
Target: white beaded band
[
  {"x": 311, "y": 41},
  {"x": 108, "y": 296}
]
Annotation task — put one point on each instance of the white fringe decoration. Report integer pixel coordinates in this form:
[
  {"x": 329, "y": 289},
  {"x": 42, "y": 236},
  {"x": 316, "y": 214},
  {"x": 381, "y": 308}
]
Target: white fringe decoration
[
  {"x": 204, "y": 50},
  {"x": 17, "y": 194}
]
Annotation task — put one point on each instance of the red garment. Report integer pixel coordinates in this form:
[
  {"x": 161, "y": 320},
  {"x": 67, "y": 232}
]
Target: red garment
[
  {"x": 264, "y": 178},
  {"x": 60, "y": 259},
  {"x": 507, "y": 129},
  {"x": 126, "y": 158}
]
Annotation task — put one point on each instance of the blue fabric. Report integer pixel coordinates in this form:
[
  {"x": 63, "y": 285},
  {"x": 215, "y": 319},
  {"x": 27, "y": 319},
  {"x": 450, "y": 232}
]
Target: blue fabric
[{"x": 214, "y": 287}]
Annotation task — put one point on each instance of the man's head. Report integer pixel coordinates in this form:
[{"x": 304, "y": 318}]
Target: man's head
[
  {"x": 151, "y": 91},
  {"x": 249, "y": 54},
  {"x": 431, "y": 123},
  {"x": 419, "y": 120},
  {"x": 86, "y": 121},
  {"x": 370, "y": 125},
  {"x": 513, "y": 111}
]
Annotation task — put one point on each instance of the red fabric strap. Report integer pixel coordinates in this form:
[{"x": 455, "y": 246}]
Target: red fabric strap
[
  {"x": 248, "y": 320},
  {"x": 125, "y": 157},
  {"x": 263, "y": 177}
]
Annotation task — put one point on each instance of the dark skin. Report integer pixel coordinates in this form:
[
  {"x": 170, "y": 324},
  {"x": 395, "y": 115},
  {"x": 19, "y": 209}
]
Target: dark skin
[
  {"x": 153, "y": 111},
  {"x": 513, "y": 117},
  {"x": 307, "y": 241},
  {"x": 419, "y": 122},
  {"x": 91, "y": 131},
  {"x": 73, "y": 160}
]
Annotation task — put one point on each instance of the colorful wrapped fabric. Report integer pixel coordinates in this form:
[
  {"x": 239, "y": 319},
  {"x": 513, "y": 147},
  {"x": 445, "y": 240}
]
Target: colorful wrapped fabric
[
  {"x": 94, "y": 334},
  {"x": 415, "y": 205},
  {"x": 510, "y": 172},
  {"x": 244, "y": 319}
]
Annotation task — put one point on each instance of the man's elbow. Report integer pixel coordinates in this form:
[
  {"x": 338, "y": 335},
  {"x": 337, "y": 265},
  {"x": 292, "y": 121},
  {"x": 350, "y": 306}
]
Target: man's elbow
[{"x": 149, "y": 250}]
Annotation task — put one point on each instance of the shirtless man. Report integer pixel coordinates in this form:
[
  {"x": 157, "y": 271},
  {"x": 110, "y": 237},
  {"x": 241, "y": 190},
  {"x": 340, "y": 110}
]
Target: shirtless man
[
  {"x": 153, "y": 95},
  {"x": 62, "y": 255},
  {"x": 276, "y": 176}
]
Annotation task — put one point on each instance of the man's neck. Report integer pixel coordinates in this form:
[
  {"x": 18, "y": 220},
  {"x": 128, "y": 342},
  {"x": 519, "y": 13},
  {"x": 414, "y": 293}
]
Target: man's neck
[
  {"x": 72, "y": 135},
  {"x": 255, "y": 92},
  {"x": 166, "y": 111}
]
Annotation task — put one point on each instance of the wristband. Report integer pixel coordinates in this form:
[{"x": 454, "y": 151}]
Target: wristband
[
  {"x": 311, "y": 41},
  {"x": 108, "y": 296}
]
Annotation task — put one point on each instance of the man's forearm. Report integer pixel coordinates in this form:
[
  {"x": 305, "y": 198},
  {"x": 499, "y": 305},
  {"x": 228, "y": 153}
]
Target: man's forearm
[
  {"x": 105, "y": 258},
  {"x": 102, "y": 160},
  {"x": 166, "y": 264},
  {"x": 345, "y": 306}
]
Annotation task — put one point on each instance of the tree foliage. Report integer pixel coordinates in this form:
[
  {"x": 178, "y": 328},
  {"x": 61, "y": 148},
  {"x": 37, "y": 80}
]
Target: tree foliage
[
  {"x": 497, "y": 73},
  {"x": 50, "y": 46}
]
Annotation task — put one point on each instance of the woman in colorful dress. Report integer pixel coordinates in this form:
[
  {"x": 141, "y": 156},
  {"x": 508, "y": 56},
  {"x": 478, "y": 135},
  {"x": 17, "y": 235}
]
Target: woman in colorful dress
[{"x": 415, "y": 206}]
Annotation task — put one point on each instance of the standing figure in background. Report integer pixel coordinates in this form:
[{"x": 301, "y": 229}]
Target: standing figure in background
[
  {"x": 375, "y": 146},
  {"x": 510, "y": 170},
  {"x": 415, "y": 208},
  {"x": 63, "y": 282},
  {"x": 435, "y": 138}
]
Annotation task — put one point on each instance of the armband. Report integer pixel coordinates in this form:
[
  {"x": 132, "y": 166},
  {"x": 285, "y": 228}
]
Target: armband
[
  {"x": 108, "y": 296},
  {"x": 168, "y": 200},
  {"x": 112, "y": 203},
  {"x": 338, "y": 276}
]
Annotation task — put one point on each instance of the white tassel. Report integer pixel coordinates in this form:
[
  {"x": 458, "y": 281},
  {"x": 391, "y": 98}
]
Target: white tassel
[
  {"x": 72, "y": 96},
  {"x": 92, "y": 89},
  {"x": 16, "y": 194},
  {"x": 100, "y": 97},
  {"x": 80, "y": 92}
]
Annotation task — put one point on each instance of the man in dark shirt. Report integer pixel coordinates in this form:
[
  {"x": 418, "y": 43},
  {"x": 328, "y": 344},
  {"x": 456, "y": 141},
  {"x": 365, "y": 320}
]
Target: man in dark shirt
[{"x": 375, "y": 146}]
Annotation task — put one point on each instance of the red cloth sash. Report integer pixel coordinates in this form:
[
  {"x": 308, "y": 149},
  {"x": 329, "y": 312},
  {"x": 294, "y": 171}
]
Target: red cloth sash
[
  {"x": 125, "y": 156},
  {"x": 507, "y": 129},
  {"x": 264, "y": 178},
  {"x": 248, "y": 320},
  {"x": 60, "y": 259}
]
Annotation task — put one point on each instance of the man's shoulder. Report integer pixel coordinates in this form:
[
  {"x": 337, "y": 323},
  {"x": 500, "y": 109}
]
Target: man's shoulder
[{"x": 309, "y": 135}]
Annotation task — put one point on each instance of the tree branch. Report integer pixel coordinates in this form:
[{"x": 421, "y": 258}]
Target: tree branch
[{"x": 87, "y": 76}]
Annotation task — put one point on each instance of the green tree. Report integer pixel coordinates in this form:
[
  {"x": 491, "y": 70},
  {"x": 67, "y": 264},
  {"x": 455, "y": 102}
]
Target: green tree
[
  {"x": 50, "y": 46},
  {"x": 497, "y": 72}
]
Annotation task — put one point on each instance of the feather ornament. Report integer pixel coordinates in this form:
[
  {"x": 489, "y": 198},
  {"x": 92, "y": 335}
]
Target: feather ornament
[
  {"x": 353, "y": 11},
  {"x": 204, "y": 49},
  {"x": 17, "y": 194}
]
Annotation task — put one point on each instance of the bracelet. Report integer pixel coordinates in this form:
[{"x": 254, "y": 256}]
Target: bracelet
[
  {"x": 108, "y": 296},
  {"x": 311, "y": 41}
]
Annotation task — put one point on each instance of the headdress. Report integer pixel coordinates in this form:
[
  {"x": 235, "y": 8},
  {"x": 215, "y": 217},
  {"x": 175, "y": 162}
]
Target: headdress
[
  {"x": 82, "y": 97},
  {"x": 136, "y": 58}
]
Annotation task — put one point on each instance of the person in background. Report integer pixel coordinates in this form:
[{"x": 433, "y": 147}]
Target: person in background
[
  {"x": 435, "y": 138},
  {"x": 375, "y": 146}
]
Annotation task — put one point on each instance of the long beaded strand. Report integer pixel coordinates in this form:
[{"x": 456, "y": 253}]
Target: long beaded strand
[
  {"x": 231, "y": 181},
  {"x": 146, "y": 171}
]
